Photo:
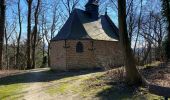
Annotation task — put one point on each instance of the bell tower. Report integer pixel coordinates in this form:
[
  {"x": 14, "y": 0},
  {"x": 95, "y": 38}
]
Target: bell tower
[{"x": 92, "y": 8}]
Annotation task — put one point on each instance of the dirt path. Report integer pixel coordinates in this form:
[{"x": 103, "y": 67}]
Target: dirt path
[
  {"x": 44, "y": 86},
  {"x": 35, "y": 90}
]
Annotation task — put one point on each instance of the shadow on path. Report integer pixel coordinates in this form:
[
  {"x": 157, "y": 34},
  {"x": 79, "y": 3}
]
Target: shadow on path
[{"x": 43, "y": 75}]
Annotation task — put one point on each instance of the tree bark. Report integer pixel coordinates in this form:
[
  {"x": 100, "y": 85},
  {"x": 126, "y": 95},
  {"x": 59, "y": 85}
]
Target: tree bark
[
  {"x": 146, "y": 54},
  {"x": 6, "y": 49},
  {"x": 35, "y": 33},
  {"x": 28, "y": 51},
  {"x": 19, "y": 36},
  {"x": 2, "y": 28},
  {"x": 168, "y": 18},
  {"x": 166, "y": 13},
  {"x": 132, "y": 75}
]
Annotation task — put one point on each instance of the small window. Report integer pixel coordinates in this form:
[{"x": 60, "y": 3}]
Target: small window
[{"x": 79, "y": 47}]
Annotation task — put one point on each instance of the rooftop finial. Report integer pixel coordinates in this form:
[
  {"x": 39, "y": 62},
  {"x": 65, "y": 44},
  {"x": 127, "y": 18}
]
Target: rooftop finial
[{"x": 106, "y": 11}]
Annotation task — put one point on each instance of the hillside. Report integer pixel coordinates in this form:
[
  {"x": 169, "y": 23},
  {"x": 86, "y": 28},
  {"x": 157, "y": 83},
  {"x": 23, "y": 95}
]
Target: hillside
[{"x": 44, "y": 84}]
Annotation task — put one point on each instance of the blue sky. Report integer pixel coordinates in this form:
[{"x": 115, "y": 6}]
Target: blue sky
[
  {"x": 111, "y": 9},
  {"x": 12, "y": 11}
]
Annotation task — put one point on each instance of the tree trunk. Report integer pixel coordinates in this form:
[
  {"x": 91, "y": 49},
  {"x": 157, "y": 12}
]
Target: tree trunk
[
  {"x": 6, "y": 49},
  {"x": 35, "y": 34},
  {"x": 146, "y": 54},
  {"x": 132, "y": 75},
  {"x": 139, "y": 26},
  {"x": 2, "y": 28},
  {"x": 166, "y": 12},
  {"x": 19, "y": 36},
  {"x": 168, "y": 18},
  {"x": 29, "y": 35}
]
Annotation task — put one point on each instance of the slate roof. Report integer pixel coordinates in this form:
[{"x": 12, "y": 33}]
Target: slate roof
[{"x": 80, "y": 26}]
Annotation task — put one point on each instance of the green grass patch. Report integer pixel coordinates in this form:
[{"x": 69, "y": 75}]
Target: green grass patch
[
  {"x": 101, "y": 87},
  {"x": 11, "y": 92},
  {"x": 59, "y": 89}
]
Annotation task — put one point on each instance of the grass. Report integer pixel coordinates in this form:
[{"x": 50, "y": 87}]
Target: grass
[
  {"x": 11, "y": 87},
  {"x": 97, "y": 85},
  {"x": 101, "y": 87},
  {"x": 11, "y": 92},
  {"x": 66, "y": 85},
  {"x": 153, "y": 64},
  {"x": 59, "y": 89}
]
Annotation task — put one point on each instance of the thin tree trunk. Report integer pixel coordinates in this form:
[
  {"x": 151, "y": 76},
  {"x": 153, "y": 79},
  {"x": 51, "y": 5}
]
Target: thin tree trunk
[
  {"x": 132, "y": 75},
  {"x": 6, "y": 51},
  {"x": 28, "y": 52},
  {"x": 168, "y": 18},
  {"x": 19, "y": 36},
  {"x": 35, "y": 34},
  {"x": 139, "y": 26},
  {"x": 2, "y": 28},
  {"x": 146, "y": 54}
]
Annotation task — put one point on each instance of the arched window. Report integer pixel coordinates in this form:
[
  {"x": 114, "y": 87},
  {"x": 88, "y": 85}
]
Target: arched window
[{"x": 79, "y": 47}]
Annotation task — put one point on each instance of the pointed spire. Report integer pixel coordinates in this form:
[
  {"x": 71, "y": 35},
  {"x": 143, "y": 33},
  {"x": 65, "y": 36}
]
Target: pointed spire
[{"x": 106, "y": 11}]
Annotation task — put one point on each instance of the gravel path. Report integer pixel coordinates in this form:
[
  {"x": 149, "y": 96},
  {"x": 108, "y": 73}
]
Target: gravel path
[{"x": 41, "y": 81}]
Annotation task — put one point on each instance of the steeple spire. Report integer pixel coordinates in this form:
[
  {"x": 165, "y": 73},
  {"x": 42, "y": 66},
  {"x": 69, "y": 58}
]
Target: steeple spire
[
  {"x": 106, "y": 11},
  {"x": 92, "y": 8}
]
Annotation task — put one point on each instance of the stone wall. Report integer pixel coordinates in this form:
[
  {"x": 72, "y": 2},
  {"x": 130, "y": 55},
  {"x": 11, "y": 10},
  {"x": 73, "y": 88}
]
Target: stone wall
[
  {"x": 95, "y": 54},
  {"x": 108, "y": 54},
  {"x": 58, "y": 55},
  {"x": 79, "y": 60}
]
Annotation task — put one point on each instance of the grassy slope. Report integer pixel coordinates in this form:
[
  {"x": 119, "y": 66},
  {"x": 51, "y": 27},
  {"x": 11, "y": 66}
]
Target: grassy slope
[
  {"x": 11, "y": 92},
  {"x": 88, "y": 86},
  {"x": 97, "y": 86}
]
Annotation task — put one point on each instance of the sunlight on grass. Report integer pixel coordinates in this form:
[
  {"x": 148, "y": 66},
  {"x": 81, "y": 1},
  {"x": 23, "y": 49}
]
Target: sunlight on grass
[
  {"x": 59, "y": 89},
  {"x": 98, "y": 87},
  {"x": 11, "y": 92}
]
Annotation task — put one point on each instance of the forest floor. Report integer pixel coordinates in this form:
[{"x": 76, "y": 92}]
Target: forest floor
[{"x": 44, "y": 84}]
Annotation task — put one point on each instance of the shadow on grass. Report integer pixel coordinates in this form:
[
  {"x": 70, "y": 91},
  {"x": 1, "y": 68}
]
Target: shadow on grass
[
  {"x": 43, "y": 76},
  {"x": 120, "y": 91}
]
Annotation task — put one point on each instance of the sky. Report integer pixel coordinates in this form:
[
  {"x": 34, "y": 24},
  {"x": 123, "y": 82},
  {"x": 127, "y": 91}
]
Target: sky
[{"x": 11, "y": 13}]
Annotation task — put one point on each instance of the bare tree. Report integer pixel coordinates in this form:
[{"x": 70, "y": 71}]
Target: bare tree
[
  {"x": 70, "y": 5},
  {"x": 28, "y": 51},
  {"x": 34, "y": 33},
  {"x": 166, "y": 13},
  {"x": 132, "y": 74},
  {"x": 53, "y": 28},
  {"x": 153, "y": 30},
  {"x": 19, "y": 35},
  {"x": 139, "y": 25},
  {"x": 9, "y": 29},
  {"x": 2, "y": 28}
]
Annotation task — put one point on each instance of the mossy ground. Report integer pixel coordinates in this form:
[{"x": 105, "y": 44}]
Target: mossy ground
[
  {"x": 96, "y": 85},
  {"x": 11, "y": 92},
  {"x": 82, "y": 85}
]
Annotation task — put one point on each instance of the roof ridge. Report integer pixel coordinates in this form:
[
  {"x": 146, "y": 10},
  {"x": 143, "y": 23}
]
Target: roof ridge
[
  {"x": 112, "y": 24},
  {"x": 81, "y": 22},
  {"x": 71, "y": 16},
  {"x": 80, "y": 26}
]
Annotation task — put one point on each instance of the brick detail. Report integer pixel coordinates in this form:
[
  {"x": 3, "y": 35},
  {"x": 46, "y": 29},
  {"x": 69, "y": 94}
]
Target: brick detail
[{"x": 102, "y": 54}]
